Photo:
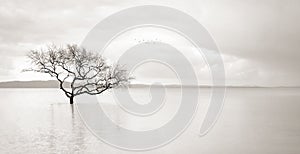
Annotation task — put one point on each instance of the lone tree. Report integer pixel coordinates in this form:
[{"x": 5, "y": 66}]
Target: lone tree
[{"x": 87, "y": 72}]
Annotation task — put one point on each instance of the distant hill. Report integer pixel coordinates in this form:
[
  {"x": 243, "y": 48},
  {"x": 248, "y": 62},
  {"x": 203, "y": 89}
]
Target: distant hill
[
  {"x": 31, "y": 84},
  {"x": 55, "y": 84}
]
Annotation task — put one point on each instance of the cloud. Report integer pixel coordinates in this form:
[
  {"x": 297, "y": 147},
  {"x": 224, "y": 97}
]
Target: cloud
[{"x": 259, "y": 39}]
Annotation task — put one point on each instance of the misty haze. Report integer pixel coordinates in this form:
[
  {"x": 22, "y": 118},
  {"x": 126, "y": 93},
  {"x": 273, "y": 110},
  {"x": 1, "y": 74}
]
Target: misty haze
[{"x": 211, "y": 77}]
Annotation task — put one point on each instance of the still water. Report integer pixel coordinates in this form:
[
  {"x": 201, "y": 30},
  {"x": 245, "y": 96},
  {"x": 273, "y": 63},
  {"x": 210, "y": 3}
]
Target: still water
[{"x": 253, "y": 120}]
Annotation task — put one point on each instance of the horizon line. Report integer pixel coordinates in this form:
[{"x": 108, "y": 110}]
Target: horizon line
[{"x": 171, "y": 85}]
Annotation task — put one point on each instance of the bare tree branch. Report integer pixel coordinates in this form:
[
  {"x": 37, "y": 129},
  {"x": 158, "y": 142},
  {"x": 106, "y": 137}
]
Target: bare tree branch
[{"x": 88, "y": 72}]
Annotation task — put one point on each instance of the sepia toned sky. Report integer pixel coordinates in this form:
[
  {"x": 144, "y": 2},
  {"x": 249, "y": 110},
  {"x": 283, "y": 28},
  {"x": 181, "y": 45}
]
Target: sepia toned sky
[{"x": 259, "y": 40}]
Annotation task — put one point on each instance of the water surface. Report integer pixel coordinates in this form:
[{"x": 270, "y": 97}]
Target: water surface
[{"x": 254, "y": 120}]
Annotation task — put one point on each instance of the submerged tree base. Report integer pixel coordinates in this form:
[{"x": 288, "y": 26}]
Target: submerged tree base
[{"x": 71, "y": 100}]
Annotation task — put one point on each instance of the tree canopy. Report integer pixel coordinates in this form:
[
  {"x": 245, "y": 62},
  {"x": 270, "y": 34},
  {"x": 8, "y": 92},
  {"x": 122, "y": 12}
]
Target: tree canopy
[{"x": 88, "y": 72}]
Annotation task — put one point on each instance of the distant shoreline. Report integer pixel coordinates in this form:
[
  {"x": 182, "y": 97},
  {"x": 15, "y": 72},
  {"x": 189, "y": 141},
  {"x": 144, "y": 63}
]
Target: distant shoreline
[{"x": 55, "y": 84}]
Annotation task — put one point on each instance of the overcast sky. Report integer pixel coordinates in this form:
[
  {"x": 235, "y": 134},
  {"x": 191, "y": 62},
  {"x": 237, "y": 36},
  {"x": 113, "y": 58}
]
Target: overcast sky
[{"x": 259, "y": 40}]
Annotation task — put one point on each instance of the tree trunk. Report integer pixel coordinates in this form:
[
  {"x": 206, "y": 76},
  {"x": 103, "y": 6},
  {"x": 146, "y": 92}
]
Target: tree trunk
[{"x": 71, "y": 99}]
